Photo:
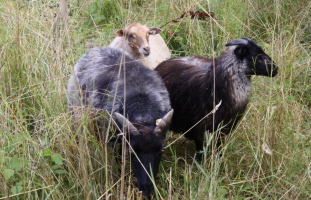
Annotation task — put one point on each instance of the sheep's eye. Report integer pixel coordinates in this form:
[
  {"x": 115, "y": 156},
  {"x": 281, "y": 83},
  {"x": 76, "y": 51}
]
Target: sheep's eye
[{"x": 131, "y": 35}]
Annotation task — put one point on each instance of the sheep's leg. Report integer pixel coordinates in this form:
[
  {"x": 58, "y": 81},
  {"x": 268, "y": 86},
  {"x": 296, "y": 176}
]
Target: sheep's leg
[
  {"x": 199, "y": 145},
  {"x": 199, "y": 148},
  {"x": 220, "y": 142}
]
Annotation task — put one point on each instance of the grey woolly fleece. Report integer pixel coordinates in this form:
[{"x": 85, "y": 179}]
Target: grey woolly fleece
[{"x": 109, "y": 79}]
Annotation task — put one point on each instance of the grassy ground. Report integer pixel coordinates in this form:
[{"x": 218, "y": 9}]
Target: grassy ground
[{"x": 41, "y": 156}]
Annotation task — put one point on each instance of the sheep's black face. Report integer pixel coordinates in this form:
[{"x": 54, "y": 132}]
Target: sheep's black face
[
  {"x": 147, "y": 143},
  {"x": 256, "y": 60},
  {"x": 148, "y": 148},
  {"x": 261, "y": 63}
]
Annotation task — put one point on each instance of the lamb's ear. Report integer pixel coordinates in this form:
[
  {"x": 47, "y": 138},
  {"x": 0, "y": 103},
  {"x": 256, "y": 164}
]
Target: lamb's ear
[
  {"x": 154, "y": 30},
  {"x": 120, "y": 32}
]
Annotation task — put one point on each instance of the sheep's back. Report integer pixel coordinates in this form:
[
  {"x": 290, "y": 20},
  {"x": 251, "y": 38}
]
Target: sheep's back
[
  {"x": 185, "y": 80},
  {"x": 98, "y": 75},
  {"x": 190, "y": 82},
  {"x": 159, "y": 52}
]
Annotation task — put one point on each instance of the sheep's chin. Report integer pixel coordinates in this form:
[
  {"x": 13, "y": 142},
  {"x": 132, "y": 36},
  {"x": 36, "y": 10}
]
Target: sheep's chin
[{"x": 143, "y": 53}]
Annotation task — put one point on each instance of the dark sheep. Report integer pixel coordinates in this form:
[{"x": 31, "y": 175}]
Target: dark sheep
[
  {"x": 106, "y": 79},
  {"x": 190, "y": 82}
]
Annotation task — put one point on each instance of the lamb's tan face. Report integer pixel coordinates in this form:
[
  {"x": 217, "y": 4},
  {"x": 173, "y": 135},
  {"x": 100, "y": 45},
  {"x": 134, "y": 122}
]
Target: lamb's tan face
[{"x": 137, "y": 36}]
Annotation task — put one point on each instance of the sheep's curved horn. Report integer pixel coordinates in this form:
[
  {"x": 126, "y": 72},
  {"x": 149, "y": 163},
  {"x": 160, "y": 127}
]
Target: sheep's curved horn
[
  {"x": 164, "y": 122},
  {"x": 240, "y": 41},
  {"x": 127, "y": 125}
]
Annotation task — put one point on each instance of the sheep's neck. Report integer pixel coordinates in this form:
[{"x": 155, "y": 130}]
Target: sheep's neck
[{"x": 237, "y": 83}]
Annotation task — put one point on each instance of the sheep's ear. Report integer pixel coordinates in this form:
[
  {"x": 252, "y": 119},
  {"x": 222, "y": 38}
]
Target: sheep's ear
[
  {"x": 241, "y": 46},
  {"x": 120, "y": 33},
  {"x": 154, "y": 30},
  {"x": 240, "y": 52}
]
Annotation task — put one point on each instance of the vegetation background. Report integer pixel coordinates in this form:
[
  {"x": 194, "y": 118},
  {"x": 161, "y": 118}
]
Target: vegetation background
[{"x": 268, "y": 156}]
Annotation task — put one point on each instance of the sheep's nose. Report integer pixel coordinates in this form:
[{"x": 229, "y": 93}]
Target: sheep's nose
[
  {"x": 146, "y": 51},
  {"x": 147, "y": 190},
  {"x": 274, "y": 69}
]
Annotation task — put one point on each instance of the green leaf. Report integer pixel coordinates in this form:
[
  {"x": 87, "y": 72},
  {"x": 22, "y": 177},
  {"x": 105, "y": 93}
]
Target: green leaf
[
  {"x": 291, "y": 98},
  {"x": 60, "y": 171},
  {"x": 19, "y": 183},
  {"x": 8, "y": 173},
  {"x": 47, "y": 152},
  {"x": 55, "y": 167},
  {"x": 57, "y": 158},
  {"x": 14, "y": 163},
  {"x": 16, "y": 189},
  {"x": 9, "y": 148},
  {"x": 222, "y": 191}
]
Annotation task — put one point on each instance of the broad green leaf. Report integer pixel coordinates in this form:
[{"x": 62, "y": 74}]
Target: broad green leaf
[
  {"x": 16, "y": 189},
  {"x": 222, "y": 191},
  {"x": 15, "y": 163},
  {"x": 55, "y": 167},
  {"x": 47, "y": 152},
  {"x": 9, "y": 148},
  {"x": 8, "y": 173},
  {"x": 57, "y": 158}
]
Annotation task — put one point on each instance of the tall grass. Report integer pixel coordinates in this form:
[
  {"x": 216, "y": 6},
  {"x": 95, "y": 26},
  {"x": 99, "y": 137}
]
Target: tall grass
[{"x": 42, "y": 156}]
